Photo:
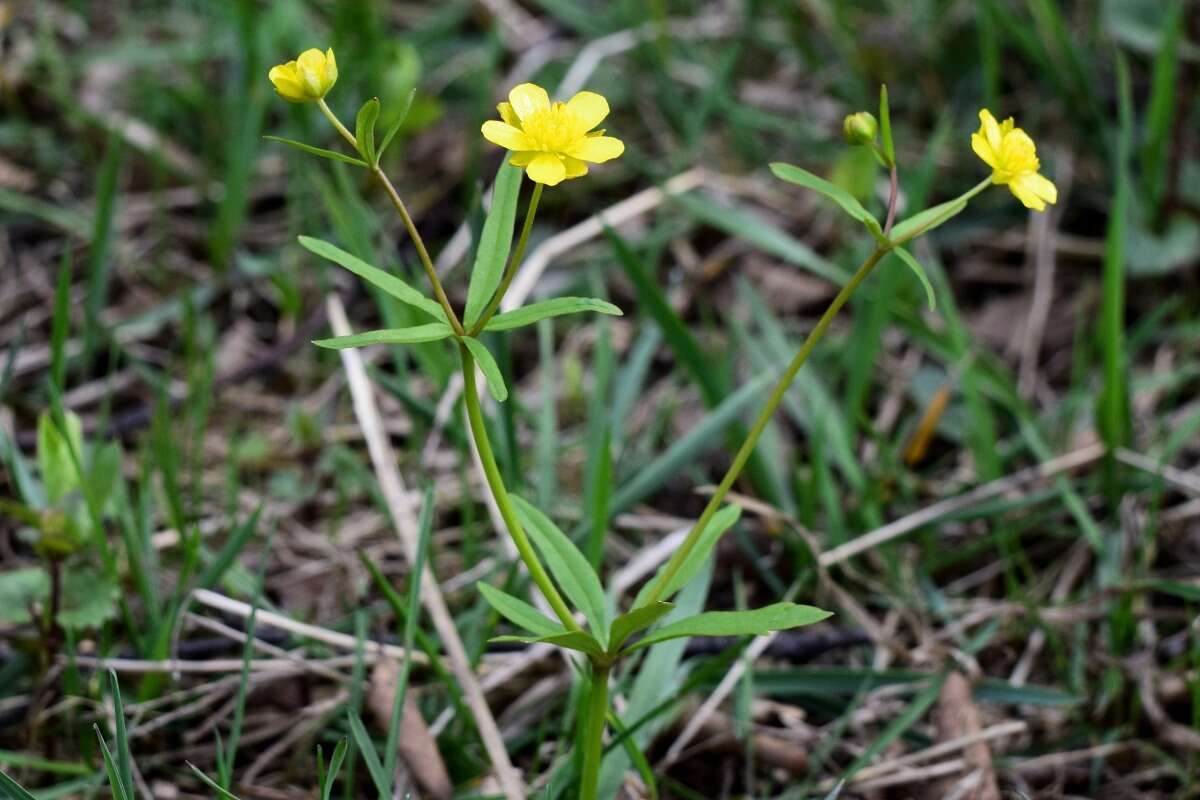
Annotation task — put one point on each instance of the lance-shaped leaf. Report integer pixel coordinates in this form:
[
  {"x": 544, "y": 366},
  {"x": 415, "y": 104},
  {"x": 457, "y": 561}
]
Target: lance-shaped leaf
[
  {"x": 319, "y": 151},
  {"x": 378, "y": 278},
  {"x": 527, "y": 315},
  {"x": 364, "y": 129},
  {"x": 491, "y": 370},
  {"x": 919, "y": 271},
  {"x": 926, "y": 220},
  {"x": 571, "y": 640},
  {"x": 432, "y": 332},
  {"x": 636, "y": 620},
  {"x": 849, "y": 204},
  {"x": 720, "y": 522},
  {"x": 396, "y": 123},
  {"x": 518, "y": 612},
  {"x": 775, "y": 617},
  {"x": 568, "y": 566},
  {"x": 494, "y": 241}
]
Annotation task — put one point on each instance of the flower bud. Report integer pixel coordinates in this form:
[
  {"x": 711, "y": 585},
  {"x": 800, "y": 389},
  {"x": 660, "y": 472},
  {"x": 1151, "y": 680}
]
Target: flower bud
[
  {"x": 860, "y": 128},
  {"x": 309, "y": 77}
]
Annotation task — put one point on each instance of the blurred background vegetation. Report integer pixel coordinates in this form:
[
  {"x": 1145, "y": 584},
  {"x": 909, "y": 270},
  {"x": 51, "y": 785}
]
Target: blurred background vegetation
[{"x": 1025, "y": 455}]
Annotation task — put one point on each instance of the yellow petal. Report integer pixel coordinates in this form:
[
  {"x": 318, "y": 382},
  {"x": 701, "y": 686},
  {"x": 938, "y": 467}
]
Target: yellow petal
[
  {"x": 980, "y": 146},
  {"x": 1007, "y": 126},
  {"x": 528, "y": 98},
  {"x": 546, "y": 168},
  {"x": 311, "y": 68},
  {"x": 990, "y": 129},
  {"x": 508, "y": 115},
  {"x": 505, "y": 135},
  {"x": 1038, "y": 185},
  {"x": 597, "y": 149},
  {"x": 589, "y": 108},
  {"x": 331, "y": 73},
  {"x": 1026, "y": 196},
  {"x": 575, "y": 168},
  {"x": 522, "y": 159},
  {"x": 287, "y": 83}
]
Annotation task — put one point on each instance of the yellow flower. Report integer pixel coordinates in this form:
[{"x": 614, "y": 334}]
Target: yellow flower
[
  {"x": 552, "y": 140},
  {"x": 1012, "y": 155},
  {"x": 309, "y": 77}
]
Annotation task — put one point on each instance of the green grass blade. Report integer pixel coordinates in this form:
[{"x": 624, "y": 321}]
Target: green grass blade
[
  {"x": 13, "y": 790},
  {"x": 210, "y": 783},
  {"x": 1113, "y": 409},
  {"x": 362, "y": 739},
  {"x": 124, "y": 759}
]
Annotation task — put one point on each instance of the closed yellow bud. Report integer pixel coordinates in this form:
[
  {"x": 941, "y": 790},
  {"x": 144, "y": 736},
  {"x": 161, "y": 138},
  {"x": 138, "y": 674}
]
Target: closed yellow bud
[
  {"x": 860, "y": 128},
  {"x": 307, "y": 78}
]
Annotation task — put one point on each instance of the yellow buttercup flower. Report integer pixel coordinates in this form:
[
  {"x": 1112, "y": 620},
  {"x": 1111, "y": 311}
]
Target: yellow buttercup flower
[
  {"x": 1012, "y": 155},
  {"x": 309, "y": 77},
  {"x": 552, "y": 141}
]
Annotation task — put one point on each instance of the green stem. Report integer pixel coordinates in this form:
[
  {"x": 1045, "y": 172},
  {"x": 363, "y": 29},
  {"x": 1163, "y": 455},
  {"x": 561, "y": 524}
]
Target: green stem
[
  {"x": 514, "y": 263},
  {"x": 496, "y": 483},
  {"x": 760, "y": 424},
  {"x": 409, "y": 225},
  {"x": 593, "y": 743}
]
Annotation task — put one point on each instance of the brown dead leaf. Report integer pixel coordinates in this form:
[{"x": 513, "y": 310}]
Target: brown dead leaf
[
  {"x": 955, "y": 717},
  {"x": 417, "y": 747}
]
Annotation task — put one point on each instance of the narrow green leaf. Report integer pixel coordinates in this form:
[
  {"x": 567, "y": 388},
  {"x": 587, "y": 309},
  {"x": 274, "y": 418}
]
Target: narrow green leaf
[
  {"x": 919, "y": 271},
  {"x": 210, "y": 783},
  {"x": 432, "y": 332},
  {"x": 13, "y": 790},
  {"x": 366, "y": 746},
  {"x": 396, "y": 123},
  {"x": 229, "y": 551},
  {"x": 124, "y": 758},
  {"x": 375, "y": 276},
  {"x": 907, "y": 718},
  {"x": 849, "y": 204},
  {"x": 119, "y": 791},
  {"x": 559, "y": 306},
  {"x": 721, "y": 521},
  {"x": 635, "y": 754},
  {"x": 364, "y": 129},
  {"x": 335, "y": 766},
  {"x": 754, "y": 229},
  {"x": 775, "y": 617},
  {"x": 571, "y": 640},
  {"x": 518, "y": 612},
  {"x": 885, "y": 125},
  {"x": 569, "y": 567},
  {"x": 491, "y": 371},
  {"x": 1185, "y": 591},
  {"x": 60, "y": 328},
  {"x": 638, "y": 619},
  {"x": 926, "y": 220},
  {"x": 494, "y": 241},
  {"x": 1161, "y": 107},
  {"x": 320, "y": 151}
]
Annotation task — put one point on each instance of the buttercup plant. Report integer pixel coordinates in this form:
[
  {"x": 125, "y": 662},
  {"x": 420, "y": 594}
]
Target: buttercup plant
[{"x": 552, "y": 142}]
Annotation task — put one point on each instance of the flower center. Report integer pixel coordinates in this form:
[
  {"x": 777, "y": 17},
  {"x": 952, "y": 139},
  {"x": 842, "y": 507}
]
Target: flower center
[
  {"x": 1017, "y": 155},
  {"x": 554, "y": 129}
]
